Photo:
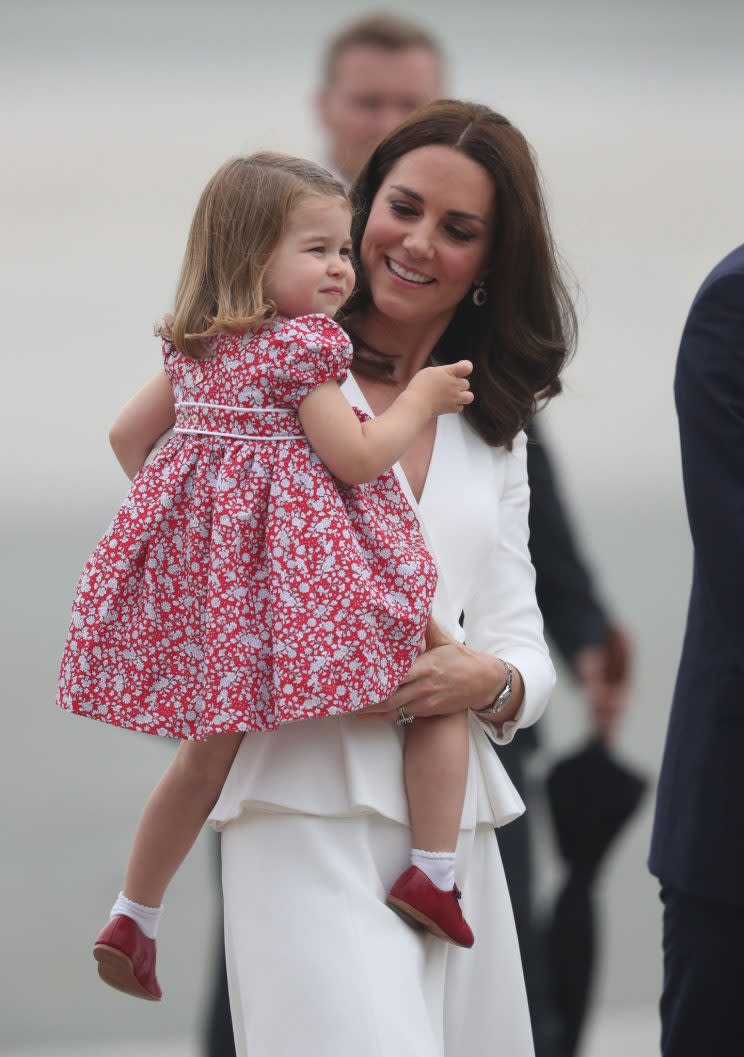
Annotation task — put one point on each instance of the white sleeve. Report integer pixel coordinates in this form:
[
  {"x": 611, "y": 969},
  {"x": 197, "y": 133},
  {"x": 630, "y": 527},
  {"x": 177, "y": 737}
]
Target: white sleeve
[{"x": 501, "y": 615}]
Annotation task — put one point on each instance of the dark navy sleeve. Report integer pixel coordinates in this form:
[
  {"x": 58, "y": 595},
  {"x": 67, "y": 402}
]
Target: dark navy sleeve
[{"x": 709, "y": 394}]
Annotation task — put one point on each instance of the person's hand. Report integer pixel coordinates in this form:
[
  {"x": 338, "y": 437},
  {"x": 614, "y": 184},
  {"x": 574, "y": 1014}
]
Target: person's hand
[
  {"x": 447, "y": 677},
  {"x": 444, "y": 389},
  {"x": 603, "y": 672}
]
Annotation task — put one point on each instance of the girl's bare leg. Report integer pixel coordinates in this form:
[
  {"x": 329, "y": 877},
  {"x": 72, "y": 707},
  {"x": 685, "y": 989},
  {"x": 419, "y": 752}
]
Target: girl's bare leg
[
  {"x": 174, "y": 814},
  {"x": 436, "y": 770}
]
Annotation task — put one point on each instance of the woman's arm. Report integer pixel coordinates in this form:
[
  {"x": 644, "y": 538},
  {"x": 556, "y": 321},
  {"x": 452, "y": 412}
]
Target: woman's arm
[
  {"x": 356, "y": 451},
  {"x": 501, "y": 620},
  {"x": 141, "y": 422}
]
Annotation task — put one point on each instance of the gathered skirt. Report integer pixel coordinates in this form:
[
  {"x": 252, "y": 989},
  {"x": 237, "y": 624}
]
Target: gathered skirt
[{"x": 319, "y": 966}]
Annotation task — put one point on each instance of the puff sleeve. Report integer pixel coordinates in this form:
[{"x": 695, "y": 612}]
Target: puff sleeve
[
  {"x": 501, "y": 615},
  {"x": 183, "y": 373},
  {"x": 305, "y": 353},
  {"x": 171, "y": 362}
]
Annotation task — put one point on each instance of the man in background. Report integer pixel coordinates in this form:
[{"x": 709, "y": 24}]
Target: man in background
[
  {"x": 697, "y": 848},
  {"x": 375, "y": 72}
]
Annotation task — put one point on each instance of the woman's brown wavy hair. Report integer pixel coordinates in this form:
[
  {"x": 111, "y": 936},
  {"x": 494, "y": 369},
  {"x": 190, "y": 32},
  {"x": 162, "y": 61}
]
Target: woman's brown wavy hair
[
  {"x": 239, "y": 219},
  {"x": 522, "y": 337}
]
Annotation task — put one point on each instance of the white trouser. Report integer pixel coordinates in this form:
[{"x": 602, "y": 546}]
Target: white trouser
[{"x": 319, "y": 966}]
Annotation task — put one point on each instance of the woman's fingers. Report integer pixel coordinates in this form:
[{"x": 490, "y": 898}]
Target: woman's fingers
[
  {"x": 420, "y": 690},
  {"x": 375, "y": 717}
]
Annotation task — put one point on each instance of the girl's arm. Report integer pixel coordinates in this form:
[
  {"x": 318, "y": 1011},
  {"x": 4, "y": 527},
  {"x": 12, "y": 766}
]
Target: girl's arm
[
  {"x": 141, "y": 422},
  {"x": 356, "y": 451}
]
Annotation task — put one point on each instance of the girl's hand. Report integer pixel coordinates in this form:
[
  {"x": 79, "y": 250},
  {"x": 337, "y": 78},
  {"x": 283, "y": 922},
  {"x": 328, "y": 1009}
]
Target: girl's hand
[
  {"x": 447, "y": 677},
  {"x": 444, "y": 389}
]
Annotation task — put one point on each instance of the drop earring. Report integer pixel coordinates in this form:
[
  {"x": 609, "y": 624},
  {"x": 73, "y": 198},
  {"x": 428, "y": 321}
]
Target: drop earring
[{"x": 480, "y": 295}]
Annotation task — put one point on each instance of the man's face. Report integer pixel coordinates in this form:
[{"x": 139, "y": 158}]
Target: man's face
[{"x": 371, "y": 91}]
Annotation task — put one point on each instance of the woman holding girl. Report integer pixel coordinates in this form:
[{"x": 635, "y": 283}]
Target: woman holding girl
[{"x": 454, "y": 259}]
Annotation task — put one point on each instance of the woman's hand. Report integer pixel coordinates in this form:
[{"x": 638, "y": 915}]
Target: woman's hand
[{"x": 447, "y": 677}]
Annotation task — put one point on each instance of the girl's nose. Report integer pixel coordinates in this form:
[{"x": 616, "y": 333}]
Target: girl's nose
[{"x": 335, "y": 265}]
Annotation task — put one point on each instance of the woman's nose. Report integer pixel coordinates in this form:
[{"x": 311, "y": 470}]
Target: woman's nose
[{"x": 419, "y": 243}]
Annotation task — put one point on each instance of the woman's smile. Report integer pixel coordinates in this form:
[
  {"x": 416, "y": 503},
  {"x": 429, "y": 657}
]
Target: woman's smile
[{"x": 407, "y": 274}]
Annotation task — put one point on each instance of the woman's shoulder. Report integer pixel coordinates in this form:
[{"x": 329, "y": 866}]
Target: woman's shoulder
[
  {"x": 495, "y": 469},
  {"x": 494, "y": 453}
]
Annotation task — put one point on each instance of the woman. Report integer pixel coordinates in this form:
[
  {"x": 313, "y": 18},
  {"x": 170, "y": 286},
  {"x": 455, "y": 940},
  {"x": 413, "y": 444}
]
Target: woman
[{"x": 455, "y": 260}]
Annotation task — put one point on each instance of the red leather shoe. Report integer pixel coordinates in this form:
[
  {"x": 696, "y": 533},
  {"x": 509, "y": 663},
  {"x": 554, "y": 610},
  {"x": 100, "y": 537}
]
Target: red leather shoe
[
  {"x": 126, "y": 959},
  {"x": 423, "y": 905}
]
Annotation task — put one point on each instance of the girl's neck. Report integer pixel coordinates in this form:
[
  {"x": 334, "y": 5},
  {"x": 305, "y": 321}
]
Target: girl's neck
[{"x": 410, "y": 345}]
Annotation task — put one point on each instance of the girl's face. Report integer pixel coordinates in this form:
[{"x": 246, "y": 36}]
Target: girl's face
[
  {"x": 310, "y": 269},
  {"x": 428, "y": 235}
]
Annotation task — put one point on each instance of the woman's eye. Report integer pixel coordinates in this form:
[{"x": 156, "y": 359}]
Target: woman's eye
[
  {"x": 460, "y": 234},
  {"x": 402, "y": 209}
]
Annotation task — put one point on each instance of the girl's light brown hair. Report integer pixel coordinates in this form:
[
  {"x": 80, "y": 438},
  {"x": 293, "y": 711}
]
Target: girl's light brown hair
[
  {"x": 237, "y": 225},
  {"x": 521, "y": 338}
]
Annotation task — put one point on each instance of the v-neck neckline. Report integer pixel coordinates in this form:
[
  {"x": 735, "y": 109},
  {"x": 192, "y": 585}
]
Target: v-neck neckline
[{"x": 363, "y": 404}]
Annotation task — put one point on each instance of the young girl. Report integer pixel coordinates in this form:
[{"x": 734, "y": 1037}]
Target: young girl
[{"x": 265, "y": 566}]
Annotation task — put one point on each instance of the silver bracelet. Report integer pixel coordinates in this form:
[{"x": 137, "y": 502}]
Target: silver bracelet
[{"x": 500, "y": 701}]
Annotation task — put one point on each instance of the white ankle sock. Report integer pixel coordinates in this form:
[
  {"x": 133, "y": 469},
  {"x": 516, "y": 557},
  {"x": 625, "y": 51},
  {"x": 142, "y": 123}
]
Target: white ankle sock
[
  {"x": 439, "y": 866},
  {"x": 146, "y": 917}
]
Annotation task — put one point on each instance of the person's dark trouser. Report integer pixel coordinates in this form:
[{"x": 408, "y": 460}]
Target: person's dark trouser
[
  {"x": 514, "y": 844},
  {"x": 703, "y": 997}
]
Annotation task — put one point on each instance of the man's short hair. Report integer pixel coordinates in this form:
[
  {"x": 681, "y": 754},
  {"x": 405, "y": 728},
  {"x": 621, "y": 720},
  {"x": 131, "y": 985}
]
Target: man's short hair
[{"x": 379, "y": 31}]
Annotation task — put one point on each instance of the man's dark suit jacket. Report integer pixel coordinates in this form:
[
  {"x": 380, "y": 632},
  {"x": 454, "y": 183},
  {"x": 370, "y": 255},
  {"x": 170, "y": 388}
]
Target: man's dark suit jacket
[{"x": 698, "y": 838}]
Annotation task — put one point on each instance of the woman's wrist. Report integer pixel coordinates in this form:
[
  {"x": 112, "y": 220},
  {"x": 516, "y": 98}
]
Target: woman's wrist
[{"x": 496, "y": 679}]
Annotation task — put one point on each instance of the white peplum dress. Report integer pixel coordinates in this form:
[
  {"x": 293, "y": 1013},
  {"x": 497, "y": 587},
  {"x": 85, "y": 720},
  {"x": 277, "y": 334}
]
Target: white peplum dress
[{"x": 314, "y": 822}]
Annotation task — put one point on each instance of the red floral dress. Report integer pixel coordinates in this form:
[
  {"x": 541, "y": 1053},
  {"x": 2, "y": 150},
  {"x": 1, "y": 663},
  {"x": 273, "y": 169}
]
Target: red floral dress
[{"x": 241, "y": 585}]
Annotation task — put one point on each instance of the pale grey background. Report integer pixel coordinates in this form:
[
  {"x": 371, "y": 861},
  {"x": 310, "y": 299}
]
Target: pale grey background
[{"x": 113, "y": 120}]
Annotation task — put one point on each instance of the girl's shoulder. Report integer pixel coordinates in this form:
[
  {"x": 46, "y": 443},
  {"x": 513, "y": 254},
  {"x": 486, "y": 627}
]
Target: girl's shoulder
[
  {"x": 182, "y": 371},
  {"x": 304, "y": 353},
  {"x": 313, "y": 329}
]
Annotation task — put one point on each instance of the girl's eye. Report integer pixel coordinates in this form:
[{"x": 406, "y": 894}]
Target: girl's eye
[
  {"x": 402, "y": 209},
  {"x": 316, "y": 249},
  {"x": 346, "y": 251}
]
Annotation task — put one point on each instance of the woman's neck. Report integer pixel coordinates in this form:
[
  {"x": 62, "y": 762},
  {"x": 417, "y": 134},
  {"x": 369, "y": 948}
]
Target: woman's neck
[{"x": 410, "y": 345}]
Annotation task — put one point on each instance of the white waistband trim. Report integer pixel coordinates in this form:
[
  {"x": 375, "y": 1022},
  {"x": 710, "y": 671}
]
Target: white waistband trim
[
  {"x": 238, "y": 436},
  {"x": 229, "y": 407}
]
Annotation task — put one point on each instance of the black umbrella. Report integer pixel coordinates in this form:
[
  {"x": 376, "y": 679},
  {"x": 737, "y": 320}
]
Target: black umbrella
[{"x": 591, "y": 796}]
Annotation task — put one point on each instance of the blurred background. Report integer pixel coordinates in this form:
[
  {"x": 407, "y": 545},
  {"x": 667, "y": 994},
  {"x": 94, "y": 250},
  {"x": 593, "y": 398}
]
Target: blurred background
[{"x": 114, "y": 118}]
